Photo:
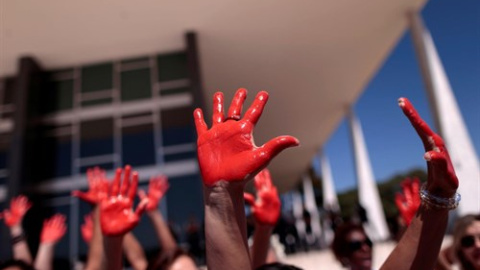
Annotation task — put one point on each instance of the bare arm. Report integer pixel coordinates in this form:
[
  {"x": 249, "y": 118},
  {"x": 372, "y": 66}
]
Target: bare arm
[
  {"x": 261, "y": 245},
  {"x": 225, "y": 227},
  {"x": 95, "y": 249},
  {"x": 134, "y": 252},
  {"x": 20, "y": 246},
  {"x": 164, "y": 235},
  {"x": 419, "y": 246},
  {"x": 53, "y": 230},
  {"x": 44, "y": 258}
]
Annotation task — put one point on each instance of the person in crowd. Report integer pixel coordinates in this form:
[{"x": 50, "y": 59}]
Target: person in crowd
[
  {"x": 13, "y": 218},
  {"x": 53, "y": 230},
  {"x": 352, "y": 247},
  {"x": 266, "y": 211},
  {"x": 464, "y": 253},
  {"x": 171, "y": 256},
  {"x": 97, "y": 193},
  {"x": 228, "y": 159}
]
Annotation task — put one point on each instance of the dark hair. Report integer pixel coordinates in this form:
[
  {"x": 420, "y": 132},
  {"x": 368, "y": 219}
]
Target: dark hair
[
  {"x": 166, "y": 259},
  {"x": 277, "y": 266},
  {"x": 340, "y": 240},
  {"x": 458, "y": 232},
  {"x": 19, "y": 263}
]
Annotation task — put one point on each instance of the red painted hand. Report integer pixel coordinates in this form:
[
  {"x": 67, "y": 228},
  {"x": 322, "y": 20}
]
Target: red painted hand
[
  {"x": 442, "y": 180},
  {"x": 227, "y": 151},
  {"x": 54, "y": 229},
  {"x": 116, "y": 215},
  {"x": 98, "y": 187},
  {"x": 18, "y": 207},
  {"x": 156, "y": 190},
  {"x": 408, "y": 202},
  {"x": 87, "y": 228},
  {"x": 266, "y": 209}
]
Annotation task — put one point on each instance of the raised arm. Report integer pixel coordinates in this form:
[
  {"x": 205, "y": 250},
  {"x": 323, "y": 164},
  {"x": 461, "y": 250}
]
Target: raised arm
[
  {"x": 420, "y": 245},
  {"x": 117, "y": 217},
  {"x": 156, "y": 190},
  {"x": 228, "y": 158},
  {"x": 98, "y": 191},
  {"x": 266, "y": 210},
  {"x": 53, "y": 230},
  {"x": 13, "y": 219}
]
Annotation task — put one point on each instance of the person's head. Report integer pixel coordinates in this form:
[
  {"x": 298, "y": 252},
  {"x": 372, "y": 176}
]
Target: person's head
[
  {"x": 466, "y": 241},
  {"x": 352, "y": 247},
  {"x": 15, "y": 265},
  {"x": 173, "y": 260}
]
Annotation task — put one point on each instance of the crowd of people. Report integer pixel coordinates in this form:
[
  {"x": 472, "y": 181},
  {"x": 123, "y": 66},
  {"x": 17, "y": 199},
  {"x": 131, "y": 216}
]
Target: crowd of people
[{"x": 228, "y": 159}]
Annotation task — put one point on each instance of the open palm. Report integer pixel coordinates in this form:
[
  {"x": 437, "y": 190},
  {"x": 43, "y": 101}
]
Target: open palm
[{"x": 227, "y": 150}]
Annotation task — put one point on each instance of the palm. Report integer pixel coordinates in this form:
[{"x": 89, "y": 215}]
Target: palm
[
  {"x": 117, "y": 216},
  {"x": 227, "y": 150},
  {"x": 266, "y": 209}
]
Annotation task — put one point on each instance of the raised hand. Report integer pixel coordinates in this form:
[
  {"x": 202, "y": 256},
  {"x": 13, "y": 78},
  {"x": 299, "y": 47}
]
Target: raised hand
[
  {"x": 408, "y": 202},
  {"x": 156, "y": 190},
  {"x": 53, "y": 229},
  {"x": 442, "y": 180},
  {"x": 116, "y": 214},
  {"x": 87, "y": 228},
  {"x": 18, "y": 207},
  {"x": 97, "y": 187},
  {"x": 266, "y": 209},
  {"x": 227, "y": 150}
]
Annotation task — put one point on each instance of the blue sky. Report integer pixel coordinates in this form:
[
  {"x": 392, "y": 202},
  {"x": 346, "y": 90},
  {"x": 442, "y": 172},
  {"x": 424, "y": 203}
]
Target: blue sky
[{"x": 392, "y": 143}]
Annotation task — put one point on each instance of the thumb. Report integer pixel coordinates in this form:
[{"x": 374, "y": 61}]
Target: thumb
[
  {"x": 141, "y": 207},
  {"x": 249, "y": 198},
  {"x": 142, "y": 194},
  {"x": 277, "y": 145}
]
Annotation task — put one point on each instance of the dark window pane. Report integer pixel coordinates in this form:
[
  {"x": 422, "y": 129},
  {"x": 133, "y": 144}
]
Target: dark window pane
[
  {"x": 138, "y": 146},
  {"x": 180, "y": 209},
  {"x": 136, "y": 84},
  {"x": 172, "y": 66},
  {"x": 8, "y": 91},
  {"x": 97, "y": 77},
  {"x": 60, "y": 96},
  {"x": 105, "y": 166},
  {"x": 178, "y": 117},
  {"x": 180, "y": 156},
  {"x": 96, "y": 102},
  {"x": 63, "y": 157},
  {"x": 178, "y": 135},
  {"x": 96, "y": 137},
  {"x": 174, "y": 91}
]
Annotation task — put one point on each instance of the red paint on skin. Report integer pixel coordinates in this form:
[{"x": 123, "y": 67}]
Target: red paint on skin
[
  {"x": 18, "y": 208},
  {"x": 116, "y": 213},
  {"x": 408, "y": 201},
  {"x": 98, "y": 187},
  {"x": 87, "y": 228},
  {"x": 442, "y": 180},
  {"x": 266, "y": 209},
  {"x": 229, "y": 144},
  {"x": 156, "y": 190},
  {"x": 53, "y": 229}
]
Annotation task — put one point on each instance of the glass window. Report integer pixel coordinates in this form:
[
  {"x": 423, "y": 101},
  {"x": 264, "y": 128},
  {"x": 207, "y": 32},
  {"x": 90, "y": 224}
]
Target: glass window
[
  {"x": 106, "y": 166},
  {"x": 136, "y": 84},
  {"x": 60, "y": 96},
  {"x": 97, "y": 77},
  {"x": 180, "y": 156},
  {"x": 177, "y": 126},
  {"x": 96, "y": 137},
  {"x": 179, "y": 209},
  {"x": 138, "y": 146},
  {"x": 172, "y": 66},
  {"x": 95, "y": 102},
  {"x": 8, "y": 91},
  {"x": 174, "y": 91}
]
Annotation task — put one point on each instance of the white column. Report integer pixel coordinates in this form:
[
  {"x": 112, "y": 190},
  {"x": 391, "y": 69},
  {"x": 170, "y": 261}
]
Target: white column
[
  {"x": 367, "y": 189},
  {"x": 311, "y": 207},
  {"x": 330, "y": 200},
  {"x": 447, "y": 116}
]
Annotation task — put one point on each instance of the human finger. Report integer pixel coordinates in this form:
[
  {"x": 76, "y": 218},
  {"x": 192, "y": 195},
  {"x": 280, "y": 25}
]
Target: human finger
[
  {"x": 235, "y": 109},
  {"x": 218, "y": 116}
]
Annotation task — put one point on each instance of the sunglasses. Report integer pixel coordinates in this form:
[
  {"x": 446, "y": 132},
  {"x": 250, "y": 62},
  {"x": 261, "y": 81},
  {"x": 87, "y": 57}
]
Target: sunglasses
[
  {"x": 357, "y": 245},
  {"x": 468, "y": 241}
]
